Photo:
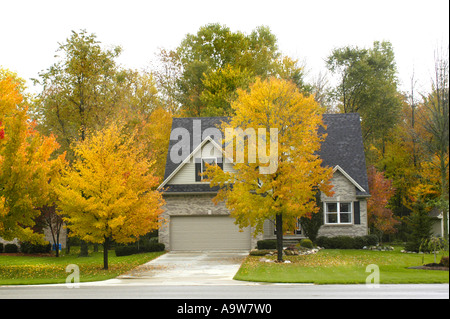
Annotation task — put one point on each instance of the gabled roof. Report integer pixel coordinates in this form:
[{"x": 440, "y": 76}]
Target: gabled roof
[
  {"x": 188, "y": 159},
  {"x": 342, "y": 148}
]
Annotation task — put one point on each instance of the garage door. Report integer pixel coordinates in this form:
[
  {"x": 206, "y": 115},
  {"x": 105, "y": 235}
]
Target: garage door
[{"x": 207, "y": 233}]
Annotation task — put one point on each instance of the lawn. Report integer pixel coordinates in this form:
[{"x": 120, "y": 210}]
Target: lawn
[
  {"x": 334, "y": 266},
  {"x": 28, "y": 270}
]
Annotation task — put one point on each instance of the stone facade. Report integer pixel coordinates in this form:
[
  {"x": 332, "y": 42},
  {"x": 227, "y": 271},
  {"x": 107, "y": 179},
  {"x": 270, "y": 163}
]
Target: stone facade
[
  {"x": 191, "y": 205},
  {"x": 344, "y": 191}
]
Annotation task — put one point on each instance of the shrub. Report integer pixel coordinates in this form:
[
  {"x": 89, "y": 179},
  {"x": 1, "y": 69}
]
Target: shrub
[
  {"x": 322, "y": 241},
  {"x": 372, "y": 240},
  {"x": 342, "y": 242},
  {"x": 29, "y": 248},
  {"x": 307, "y": 243},
  {"x": 151, "y": 247},
  {"x": 1, "y": 248},
  {"x": 444, "y": 261},
  {"x": 11, "y": 248},
  {"x": 347, "y": 242},
  {"x": 267, "y": 244},
  {"x": 125, "y": 250},
  {"x": 359, "y": 242},
  {"x": 260, "y": 252}
]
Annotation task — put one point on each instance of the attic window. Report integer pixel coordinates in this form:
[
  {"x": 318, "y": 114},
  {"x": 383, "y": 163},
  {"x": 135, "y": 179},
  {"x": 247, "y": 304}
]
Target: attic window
[{"x": 200, "y": 166}]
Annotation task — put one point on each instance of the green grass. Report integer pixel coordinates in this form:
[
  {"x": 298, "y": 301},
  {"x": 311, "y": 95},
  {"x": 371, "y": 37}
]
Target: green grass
[
  {"x": 29, "y": 270},
  {"x": 333, "y": 266}
]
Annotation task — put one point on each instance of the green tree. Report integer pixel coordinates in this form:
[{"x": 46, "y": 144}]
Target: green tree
[
  {"x": 420, "y": 226},
  {"x": 312, "y": 222},
  {"x": 79, "y": 90},
  {"x": 208, "y": 67},
  {"x": 368, "y": 85},
  {"x": 435, "y": 119}
]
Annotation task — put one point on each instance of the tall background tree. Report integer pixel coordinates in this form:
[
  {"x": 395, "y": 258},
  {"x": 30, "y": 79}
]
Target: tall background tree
[
  {"x": 368, "y": 85},
  {"x": 204, "y": 71},
  {"x": 435, "y": 122}
]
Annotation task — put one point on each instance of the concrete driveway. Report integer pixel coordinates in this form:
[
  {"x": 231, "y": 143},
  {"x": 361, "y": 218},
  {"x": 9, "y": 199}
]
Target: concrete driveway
[{"x": 188, "y": 268}]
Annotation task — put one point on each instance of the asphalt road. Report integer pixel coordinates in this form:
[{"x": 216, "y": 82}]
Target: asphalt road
[{"x": 252, "y": 291}]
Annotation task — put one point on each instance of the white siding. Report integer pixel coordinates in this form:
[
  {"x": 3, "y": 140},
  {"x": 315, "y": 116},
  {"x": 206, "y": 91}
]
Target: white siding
[{"x": 186, "y": 175}]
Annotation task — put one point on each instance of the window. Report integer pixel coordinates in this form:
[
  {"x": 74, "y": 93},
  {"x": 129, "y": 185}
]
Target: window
[
  {"x": 287, "y": 232},
  {"x": 210, "y": 161},
  {"x": 200, "y": 166},
  {"x": 338, "y": 213}
]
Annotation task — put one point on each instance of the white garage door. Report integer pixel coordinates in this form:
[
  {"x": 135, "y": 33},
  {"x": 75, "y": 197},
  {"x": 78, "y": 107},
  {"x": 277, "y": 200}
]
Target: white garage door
[{"x": 207, "y": 233}]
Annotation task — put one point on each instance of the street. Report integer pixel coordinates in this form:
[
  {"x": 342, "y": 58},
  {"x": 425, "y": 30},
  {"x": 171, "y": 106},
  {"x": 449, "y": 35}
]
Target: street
[{"x": 139, "y": 290}]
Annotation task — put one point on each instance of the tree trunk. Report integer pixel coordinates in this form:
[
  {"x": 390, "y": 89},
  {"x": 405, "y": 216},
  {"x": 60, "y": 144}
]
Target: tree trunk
[
  {"x": 105, "y": 253},
  {"x": 279, "y": 227},
  {"x": 83, "y": 249}
]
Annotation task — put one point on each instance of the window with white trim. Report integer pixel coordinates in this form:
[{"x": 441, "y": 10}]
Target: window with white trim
[
  {"x": 338, "y": 212},
  {"x": 200, "y": 166}
]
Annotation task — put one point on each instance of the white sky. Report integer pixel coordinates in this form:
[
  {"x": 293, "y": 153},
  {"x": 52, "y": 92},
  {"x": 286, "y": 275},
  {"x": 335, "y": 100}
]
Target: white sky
[{"x": 306, "y": 30}]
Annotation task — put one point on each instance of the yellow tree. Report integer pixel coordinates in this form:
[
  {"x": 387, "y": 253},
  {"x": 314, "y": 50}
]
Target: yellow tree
[
  {"x": 108, "y": 193},
  {"x": 280, "y": 186}
]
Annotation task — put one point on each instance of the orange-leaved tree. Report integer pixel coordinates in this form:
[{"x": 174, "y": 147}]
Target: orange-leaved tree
[
  {"x": 280, "y": 186},
  {"x": 27, "y": 166},
  {"x": 109, "y": 192},
  {"x": 380, "y": 216}
]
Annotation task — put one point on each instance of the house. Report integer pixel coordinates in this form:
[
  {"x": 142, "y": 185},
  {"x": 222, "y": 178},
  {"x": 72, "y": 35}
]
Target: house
[
  {"x": 194, "y": 222},
  {"x": 437, "y": 220}
]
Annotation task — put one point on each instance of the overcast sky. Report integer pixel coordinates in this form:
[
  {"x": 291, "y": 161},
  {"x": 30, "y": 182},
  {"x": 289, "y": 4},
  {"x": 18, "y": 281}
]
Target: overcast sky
[{"x": 306, "y": 30}]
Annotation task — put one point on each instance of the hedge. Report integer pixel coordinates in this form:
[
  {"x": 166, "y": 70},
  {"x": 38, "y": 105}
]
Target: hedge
[
  {"x": 347, "y": 242},
  {"x": 11, "y": 248},
  {"x": 267, "y": 244},
  {"x": 29, "y": 248},
  {"x": 143, "y": 248}
]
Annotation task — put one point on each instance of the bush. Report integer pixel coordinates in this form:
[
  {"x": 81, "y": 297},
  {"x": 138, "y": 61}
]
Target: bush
[
  {"x": 147, "y": 247},
  {"x": 267, "y": 244},
  {"x": 444, "y": 261},
  {"x": 11, "y": 248},
  {"x": 347, "y": 242},
  {"x": 372, "y": 240},
  {"x": 341, "y": 242},
  {"x": 260, "y": 252},
  {"x": 126, "y": 250},
  {"x": 1, "y": 248},
  {"x": 151, "y": 247},
  {"x": 29, "y": 248},
  {"x": 322, "y": 241},
  {"x": 360, "y": 241},
  {"x": 307, "y": 243}
]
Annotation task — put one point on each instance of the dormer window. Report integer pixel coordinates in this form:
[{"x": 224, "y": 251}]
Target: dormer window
[{"x": 201, "y": 167}]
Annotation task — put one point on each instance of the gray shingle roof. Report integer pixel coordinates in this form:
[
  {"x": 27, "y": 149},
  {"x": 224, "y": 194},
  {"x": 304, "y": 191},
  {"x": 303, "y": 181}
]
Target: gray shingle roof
[{"x": 343, "y": 146}]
